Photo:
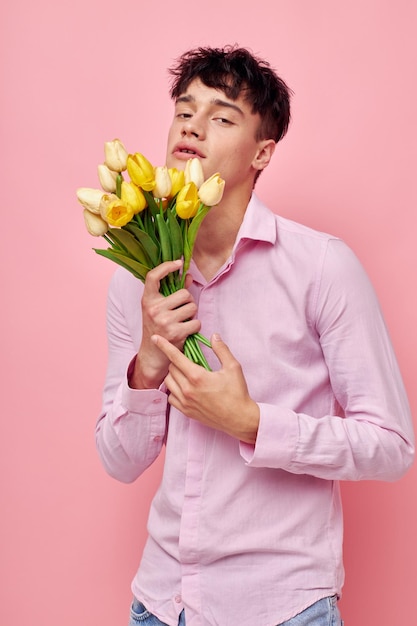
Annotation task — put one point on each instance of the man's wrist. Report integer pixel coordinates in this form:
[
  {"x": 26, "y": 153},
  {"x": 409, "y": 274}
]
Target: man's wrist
[
  {"x": 252, "y": 425},
  {"x": 139, "y": 379}
]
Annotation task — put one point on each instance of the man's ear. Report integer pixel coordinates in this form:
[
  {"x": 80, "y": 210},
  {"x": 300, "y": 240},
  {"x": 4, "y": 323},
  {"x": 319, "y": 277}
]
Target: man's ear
[{"x": 266, "y": 149}]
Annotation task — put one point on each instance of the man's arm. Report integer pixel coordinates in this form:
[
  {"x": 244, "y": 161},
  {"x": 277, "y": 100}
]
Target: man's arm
[
  {"x": 373, "y": 439},
  {"x": 217, "y": 399},
  {"x": 171, "y": 317},
  {"x": 131, "y": 429}
]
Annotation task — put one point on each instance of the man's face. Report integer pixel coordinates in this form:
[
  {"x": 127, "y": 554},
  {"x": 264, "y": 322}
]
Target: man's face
[{"x": 219, "y": 131}]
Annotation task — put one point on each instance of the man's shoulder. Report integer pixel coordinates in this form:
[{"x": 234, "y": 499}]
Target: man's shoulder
[
  {"x": 288, "y": 226},
  {"x": 125, "y": 286},
  {"x": 122, "y": 276}
]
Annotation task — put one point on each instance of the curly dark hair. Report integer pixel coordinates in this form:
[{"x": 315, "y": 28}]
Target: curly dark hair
[{"x": 237, "y": 71}]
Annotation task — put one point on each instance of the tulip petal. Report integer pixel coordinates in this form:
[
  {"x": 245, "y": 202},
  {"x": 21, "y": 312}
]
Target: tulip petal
[
  {"x": 194, "y": 172},
  {"x": 94, "y": 223},
  {"x": 115, "y": 155},
  {"x": 211, "y": 191},
  {"x": 107, "y": 178},
  {"x": 90, "y": 198}
]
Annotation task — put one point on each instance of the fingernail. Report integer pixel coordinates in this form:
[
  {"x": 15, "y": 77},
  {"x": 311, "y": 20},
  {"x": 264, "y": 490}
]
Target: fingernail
[{"x": 216, "y": 337}]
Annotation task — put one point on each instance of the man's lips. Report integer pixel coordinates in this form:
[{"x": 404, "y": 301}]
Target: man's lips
[{"x": 185, "y": 151}]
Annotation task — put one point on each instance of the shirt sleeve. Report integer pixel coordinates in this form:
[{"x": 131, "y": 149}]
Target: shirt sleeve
[
  {"x": 131, "y": 428},
  {"x": 370, "y": 436}
]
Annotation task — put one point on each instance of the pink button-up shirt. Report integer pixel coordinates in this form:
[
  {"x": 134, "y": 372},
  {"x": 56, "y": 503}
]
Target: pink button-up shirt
[{"x": 241, "y": 534}]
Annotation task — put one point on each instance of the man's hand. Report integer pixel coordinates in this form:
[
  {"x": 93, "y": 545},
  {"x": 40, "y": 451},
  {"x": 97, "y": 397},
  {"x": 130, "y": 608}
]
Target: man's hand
[
  {"x": 168, "y": 316},
  {"x": 218, "y": 399}
]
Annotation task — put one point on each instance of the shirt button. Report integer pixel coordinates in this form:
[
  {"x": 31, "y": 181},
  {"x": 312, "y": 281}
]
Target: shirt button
[
  {"x": 157, "y": 438},
  {"x": 156, "y": 401},
  {"x": 178, "y": 598}
]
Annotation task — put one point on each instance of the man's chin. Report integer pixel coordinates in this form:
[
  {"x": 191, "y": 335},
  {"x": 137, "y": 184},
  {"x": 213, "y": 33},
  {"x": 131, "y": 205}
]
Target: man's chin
[{"x": 172, "y": 162}]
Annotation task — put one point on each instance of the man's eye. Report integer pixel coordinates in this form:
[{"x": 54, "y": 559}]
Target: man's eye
[
  {"x": 184, "y": 116},
  {"x": 224, "y": 121}
]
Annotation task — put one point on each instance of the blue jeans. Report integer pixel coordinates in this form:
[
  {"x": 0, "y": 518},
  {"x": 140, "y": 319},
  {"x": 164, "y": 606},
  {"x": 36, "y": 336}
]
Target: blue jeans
[
  {"x": 321, "y": 613},
  {"x": 140, "y": 616}
]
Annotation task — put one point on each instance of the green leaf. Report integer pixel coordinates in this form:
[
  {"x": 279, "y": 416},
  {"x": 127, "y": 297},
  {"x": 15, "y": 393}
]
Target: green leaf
[
  {"x": 166, "y": 249},
  {"x": 153, "y": 206},
  {"x": 150, "y": 226},
  {"x": 175, "y": 233},
  {"x": 129, "y": 244},
  {"x": 151, "y": 248},
  {"x": 190, "y": 233},
  {"x": 196, "y": 223},
  {"x": 138, "y": 270}
]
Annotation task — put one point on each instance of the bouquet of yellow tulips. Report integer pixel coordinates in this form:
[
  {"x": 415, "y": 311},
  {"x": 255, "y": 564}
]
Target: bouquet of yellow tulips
[{"x": 151, "y": 218}]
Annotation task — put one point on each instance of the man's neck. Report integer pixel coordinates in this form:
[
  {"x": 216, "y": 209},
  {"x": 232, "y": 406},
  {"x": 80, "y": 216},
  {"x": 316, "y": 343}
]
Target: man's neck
[{"x": 217, "y": 234}]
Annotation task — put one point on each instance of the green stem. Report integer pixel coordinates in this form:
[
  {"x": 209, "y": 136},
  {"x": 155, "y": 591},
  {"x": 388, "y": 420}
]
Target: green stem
[
  {"x": 202, "y": 339},
  {"x": 138, "y": 219},
  {"x": 188, "y": 353},
  {"x": 193, "y": 351},
  {"x": 187, "y": 252},
  {"x": 164, "y": 288},
  {"x": 119, "y": 180}
]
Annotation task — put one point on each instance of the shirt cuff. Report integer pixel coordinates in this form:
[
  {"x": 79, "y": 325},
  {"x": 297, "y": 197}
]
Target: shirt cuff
[
  {"x": 143, "y": 401},
  {"x": 276, "y": 441}
]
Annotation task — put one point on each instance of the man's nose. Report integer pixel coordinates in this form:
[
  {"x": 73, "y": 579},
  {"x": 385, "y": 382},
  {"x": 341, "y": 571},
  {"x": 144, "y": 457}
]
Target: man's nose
[{"x": 193, "y": 127}]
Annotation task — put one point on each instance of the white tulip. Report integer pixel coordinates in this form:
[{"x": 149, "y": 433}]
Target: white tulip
[
  {"x": 90, "y": 198},
  {"x": 107, "y": 178},
  {"x": 163, "y": 182},
  {"x": 211, "y": 191},
  {"x": 194, "y": 172},
  {"x": 95, "y": 224},
  {"x": 116, "y": 155}
]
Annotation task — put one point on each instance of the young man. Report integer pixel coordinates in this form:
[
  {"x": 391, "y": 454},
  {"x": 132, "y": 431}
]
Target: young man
[{"x": 246, "y": 527}]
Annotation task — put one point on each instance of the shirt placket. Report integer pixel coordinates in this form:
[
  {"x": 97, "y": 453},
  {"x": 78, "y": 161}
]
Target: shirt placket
[{"x": 191, "y": 544}]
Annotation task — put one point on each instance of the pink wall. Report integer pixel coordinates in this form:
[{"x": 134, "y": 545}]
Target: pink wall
[{"x": 73, "y": 77}]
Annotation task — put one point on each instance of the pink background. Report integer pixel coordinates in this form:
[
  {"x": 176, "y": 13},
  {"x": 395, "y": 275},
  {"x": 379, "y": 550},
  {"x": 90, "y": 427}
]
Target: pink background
[{"x": 76, "y": 74}]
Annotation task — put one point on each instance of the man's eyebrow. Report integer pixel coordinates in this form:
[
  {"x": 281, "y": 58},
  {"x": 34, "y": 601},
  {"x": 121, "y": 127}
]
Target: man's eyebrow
[
  {"x": 215, "y": 101},
  {"x": 224, "y": 103},
  {"x": 185, "y": 98}
]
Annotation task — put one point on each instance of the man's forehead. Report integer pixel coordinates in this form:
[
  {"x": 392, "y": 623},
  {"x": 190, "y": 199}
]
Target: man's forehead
[{"x": 197, "y": 90}]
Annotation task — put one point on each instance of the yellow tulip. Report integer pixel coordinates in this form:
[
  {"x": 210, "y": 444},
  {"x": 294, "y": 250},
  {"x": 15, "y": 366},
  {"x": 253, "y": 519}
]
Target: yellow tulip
[
  {"x": 211, "y": 191},
  {"x": 141, "y": 171},
  {"x": 90, "y": 198},
  {"x": 187, "y": 201},
  {"x": 194, "y": 172},
  {"x": 177, "y": 181},
  {"x": 106, "y": 199},
  {"x": 118, "y": 213},
  {"x": 163, "y": 182},
  {"x": 107, "y": 178},
  {"x": 95, "y": 224},
  {"x": 115, "y": 155},
  {"x": 133, "y": 196}
]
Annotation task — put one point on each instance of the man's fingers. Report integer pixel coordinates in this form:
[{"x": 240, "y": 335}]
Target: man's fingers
[
  {"x": 171, "y": 352},
  {"x": 163, "y": 269},
  {"x": 221, "y": 350},
  {"x": 182, "y": 362}
]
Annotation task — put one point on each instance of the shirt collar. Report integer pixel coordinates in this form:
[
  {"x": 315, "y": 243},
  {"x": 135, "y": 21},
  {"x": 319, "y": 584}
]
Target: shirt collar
[{"x": 258, "y": 223}]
